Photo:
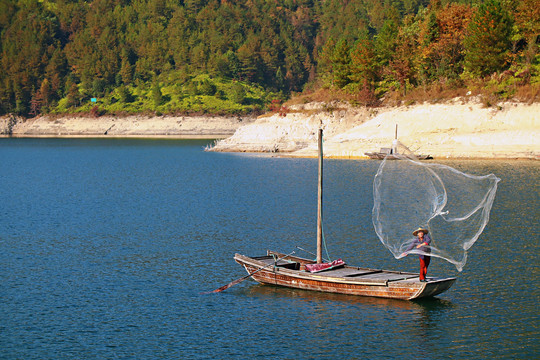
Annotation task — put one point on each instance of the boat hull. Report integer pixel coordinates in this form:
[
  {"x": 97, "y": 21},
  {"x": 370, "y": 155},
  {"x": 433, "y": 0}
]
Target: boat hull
[
  {"x": 382, "y": 156},
  {"x": 366, "y": 282}
]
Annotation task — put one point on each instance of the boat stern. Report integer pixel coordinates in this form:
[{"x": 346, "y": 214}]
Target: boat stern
[{"x": 433, "y": 288}]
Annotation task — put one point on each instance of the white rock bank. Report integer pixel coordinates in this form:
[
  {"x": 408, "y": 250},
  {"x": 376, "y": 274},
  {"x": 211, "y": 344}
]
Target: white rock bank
[
  {"x": 127, "y": 126},
  {"x": 454, "y": 130}
]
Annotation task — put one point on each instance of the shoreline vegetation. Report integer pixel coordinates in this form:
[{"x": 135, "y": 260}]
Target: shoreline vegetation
[
  {"x": 112, "y": 57},
  {"x": 455, "y": 129}
]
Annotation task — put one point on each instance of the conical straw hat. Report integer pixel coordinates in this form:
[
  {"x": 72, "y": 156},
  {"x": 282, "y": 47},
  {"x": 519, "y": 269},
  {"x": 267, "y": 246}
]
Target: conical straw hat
[{"x": 415, "y": 232}]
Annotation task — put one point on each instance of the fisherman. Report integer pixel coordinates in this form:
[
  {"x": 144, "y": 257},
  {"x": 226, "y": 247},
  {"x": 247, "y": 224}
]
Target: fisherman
[{"x": 421, "y": 242}]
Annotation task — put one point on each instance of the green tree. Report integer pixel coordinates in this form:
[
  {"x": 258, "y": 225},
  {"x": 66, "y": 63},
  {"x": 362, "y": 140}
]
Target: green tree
[
  {"x": 233, "y": 64},
  {"x": 488, "y": 42},
  {"x": 249, "y": 57},
  {"x": 280, "y": 79},
  {"x": 363, "y": 64},
  {"x": 157, "y": 96},
  {"x": 441, "y": 41},
  {"x": 125, "y": 95},
  {"x": 73, "y": 95},
  {"x": 179, "y": 30},
  {"x": 341, "y": 63},
  {"x": 126, "y": 71},
  {"x": 527, "y": 18},
  {"x": 238, "y": 93},
  {"x": 403, "y": 67},
  {"x": 207, "y": 87},
  {"x": 28, "y": 42},
  {"x": 386, "y": 42},
  {"x": 295, "y": 71},
  {"x": 45, "y": 92},
  {"x": 98, "y": 87},
  {"x": 324, "y": 62}
]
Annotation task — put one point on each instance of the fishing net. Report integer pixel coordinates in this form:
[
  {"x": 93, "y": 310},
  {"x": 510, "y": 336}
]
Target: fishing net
[{"x": 452, "y": 205}]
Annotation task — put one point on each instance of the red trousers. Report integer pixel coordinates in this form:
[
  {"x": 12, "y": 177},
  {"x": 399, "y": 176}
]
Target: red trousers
[{"x": 424, "y": 263}]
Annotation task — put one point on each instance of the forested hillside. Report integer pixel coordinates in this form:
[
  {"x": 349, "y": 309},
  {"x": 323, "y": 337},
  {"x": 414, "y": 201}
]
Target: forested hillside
[{"x": 227, "y": 56}]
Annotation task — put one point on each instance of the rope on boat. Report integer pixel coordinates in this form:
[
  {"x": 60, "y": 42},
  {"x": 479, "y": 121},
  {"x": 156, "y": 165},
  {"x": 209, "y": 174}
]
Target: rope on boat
[{"x": 324, "y": 243}]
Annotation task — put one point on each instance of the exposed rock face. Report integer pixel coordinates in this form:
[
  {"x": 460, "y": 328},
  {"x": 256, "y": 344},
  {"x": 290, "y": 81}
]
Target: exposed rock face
[
  {"x": 295, "y": 130},
  {"x": 137, "y": 125},
  {"x": 454, "y": 130},
  {"x": 7, "y": 123}
]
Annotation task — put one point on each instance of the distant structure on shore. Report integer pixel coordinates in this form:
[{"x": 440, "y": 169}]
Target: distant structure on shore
[{"x": 394, "y": 154}]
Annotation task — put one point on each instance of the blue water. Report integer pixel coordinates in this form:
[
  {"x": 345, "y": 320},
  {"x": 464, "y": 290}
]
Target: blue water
[{"x": 106, "y": 246}]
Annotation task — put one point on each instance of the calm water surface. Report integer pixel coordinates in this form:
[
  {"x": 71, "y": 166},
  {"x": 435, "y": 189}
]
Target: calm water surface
[{"x": 106, "y": 246}]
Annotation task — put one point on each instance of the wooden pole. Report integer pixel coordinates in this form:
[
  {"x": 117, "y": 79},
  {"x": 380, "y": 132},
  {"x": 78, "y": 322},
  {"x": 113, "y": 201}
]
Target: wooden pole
[
  {"x": 237, "y": 281},
  {"x": 319, "y": 201},
  {"x": 394, "y": 144}
]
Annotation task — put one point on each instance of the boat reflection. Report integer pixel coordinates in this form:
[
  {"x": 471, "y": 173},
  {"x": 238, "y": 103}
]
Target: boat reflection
[{"x": 420, "y": 305}]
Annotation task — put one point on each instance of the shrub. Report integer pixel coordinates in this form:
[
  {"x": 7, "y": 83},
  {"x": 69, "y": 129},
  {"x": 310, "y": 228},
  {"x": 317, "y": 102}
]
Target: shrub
[
  {"x": 207, "y": 88},
  {"x": 125, "y": 95},
  {"x": 238, "y": 93}
]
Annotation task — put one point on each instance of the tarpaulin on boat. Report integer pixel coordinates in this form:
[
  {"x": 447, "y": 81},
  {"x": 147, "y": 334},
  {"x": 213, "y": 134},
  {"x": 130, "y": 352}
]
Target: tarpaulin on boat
[{"x": 324, "y": 266}]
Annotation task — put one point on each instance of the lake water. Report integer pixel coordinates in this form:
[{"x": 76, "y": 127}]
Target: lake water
[{"x": 107, "y": 244}]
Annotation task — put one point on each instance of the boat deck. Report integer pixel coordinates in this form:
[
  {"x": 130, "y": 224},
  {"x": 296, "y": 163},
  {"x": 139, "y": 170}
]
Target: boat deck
[{"x": 346, "y": 272}]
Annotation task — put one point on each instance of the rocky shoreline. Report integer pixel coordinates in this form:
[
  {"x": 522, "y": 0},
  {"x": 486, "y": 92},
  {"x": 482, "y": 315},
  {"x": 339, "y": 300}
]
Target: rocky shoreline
[
  {"x": 455, "y": 129},
  {"x": 452, "y": 130},
  {"x": 191, "y": 127}
]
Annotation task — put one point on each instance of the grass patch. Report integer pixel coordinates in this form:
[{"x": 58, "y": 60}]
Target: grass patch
[{"x": 175, "y": 94}]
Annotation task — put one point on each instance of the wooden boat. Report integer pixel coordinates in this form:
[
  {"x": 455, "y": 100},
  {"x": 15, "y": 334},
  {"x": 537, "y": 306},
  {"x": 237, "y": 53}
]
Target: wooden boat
[
  {"x": 280, "y": 292},
  {"x": 386, "y": 153},
  {"x": 390, "y": 153},
  {"x": 290, "y": 271},
  {"x": 286, "y": 270}
]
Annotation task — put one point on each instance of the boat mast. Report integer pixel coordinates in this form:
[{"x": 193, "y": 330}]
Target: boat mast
[
  {"x": 319, "y": 201},
  {"x": 395, "y": 144}
]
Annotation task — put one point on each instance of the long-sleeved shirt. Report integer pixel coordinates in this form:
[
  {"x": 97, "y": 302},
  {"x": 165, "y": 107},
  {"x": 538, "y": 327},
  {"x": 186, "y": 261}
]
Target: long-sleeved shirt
[{"x": 424, "y": 248}]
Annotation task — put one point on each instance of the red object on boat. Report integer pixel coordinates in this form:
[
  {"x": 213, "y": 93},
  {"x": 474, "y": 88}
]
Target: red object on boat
[{"x": 324, "y": 266}]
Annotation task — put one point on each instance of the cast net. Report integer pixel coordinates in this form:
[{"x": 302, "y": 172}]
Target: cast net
[{"x": 452, "y": 205}]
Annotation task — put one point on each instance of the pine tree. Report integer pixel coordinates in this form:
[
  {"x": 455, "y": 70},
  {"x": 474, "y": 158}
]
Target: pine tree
[
  {"x": 125, "y": 95},
  {"x": 126, "y": 71},
  {"x": 341, "y": 62},
  {"x": 363, "y": 65},
  {"x": 157, "y": 96},
  {"x": 73, "y": 95},
  {"x": 238, "y": 93},
  {"x": 528, "y": 22},
  {"x": 386, "y": 42},
  {"x": 487, "y": 45},
  {"x": 324, "y": 62}
]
